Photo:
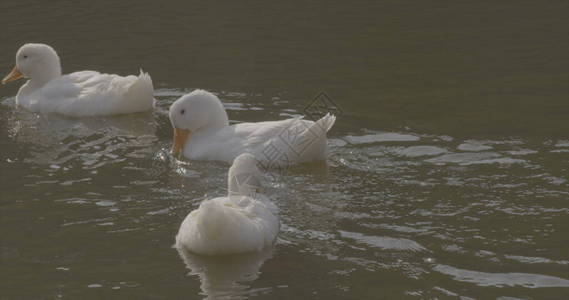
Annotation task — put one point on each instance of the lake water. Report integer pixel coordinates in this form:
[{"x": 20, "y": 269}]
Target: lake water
[{"x": 448, "y": 175}]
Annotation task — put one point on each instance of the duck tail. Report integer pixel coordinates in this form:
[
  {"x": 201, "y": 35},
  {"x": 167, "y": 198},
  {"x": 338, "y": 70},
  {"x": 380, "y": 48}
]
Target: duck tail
[
  {"x": 325, "y": 123},
  {"x": 144, "y": 76},
  {"x": 145, "y": 83},
  {"x": 312, "y": 145},
  {"x": 319, "y": 128},
  {"x": 141, "y": 92}
]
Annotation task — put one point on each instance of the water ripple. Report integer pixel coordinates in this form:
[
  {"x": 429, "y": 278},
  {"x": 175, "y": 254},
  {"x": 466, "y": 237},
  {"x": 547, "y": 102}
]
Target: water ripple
[{"x": 502, "y": 279}]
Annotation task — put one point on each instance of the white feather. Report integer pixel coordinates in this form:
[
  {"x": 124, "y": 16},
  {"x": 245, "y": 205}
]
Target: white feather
[
  {"x": 283, "y": 142},
  {"x": 79, "y": 94},
  {"x": 238, "y": 223}
]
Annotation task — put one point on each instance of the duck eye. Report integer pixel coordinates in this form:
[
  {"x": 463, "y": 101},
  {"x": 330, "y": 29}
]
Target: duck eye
[
  {"x": 182, "y": 111},
  {"x": 25, "y": 56}
]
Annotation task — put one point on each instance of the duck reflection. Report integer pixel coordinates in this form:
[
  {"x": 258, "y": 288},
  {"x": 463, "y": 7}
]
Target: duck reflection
[
  {"x": 225, "y": 277},
  {"x": 54, "y": 139},
  {"x": 28, "y": 127}
]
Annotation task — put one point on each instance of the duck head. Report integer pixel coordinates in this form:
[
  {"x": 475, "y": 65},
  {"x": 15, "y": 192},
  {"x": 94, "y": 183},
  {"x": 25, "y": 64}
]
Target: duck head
[
  {"x": 39, "y": 62},
  {"x": 196, "y": 111}
]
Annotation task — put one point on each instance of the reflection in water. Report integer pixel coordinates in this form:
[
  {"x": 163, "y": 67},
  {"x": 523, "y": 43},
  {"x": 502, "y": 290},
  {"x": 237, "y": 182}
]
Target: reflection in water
[
  {"x": 400, "y": 207},
  {"x": 58, "y": 140},
  {"x": 223, "y": 277},
  {"x": 26, "y": 125},
  {"x": 413, "y": 158}
]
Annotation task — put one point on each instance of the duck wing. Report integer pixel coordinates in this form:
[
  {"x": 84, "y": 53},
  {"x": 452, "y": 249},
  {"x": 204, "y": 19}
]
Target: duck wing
[{"x": 90, "y": 93}]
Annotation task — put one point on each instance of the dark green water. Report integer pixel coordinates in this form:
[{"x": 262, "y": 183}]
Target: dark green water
[{"x": 449, "y": 169}]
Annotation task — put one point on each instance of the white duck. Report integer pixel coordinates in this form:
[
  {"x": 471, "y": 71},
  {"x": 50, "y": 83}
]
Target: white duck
[
  {"x": 244, "y": 221},
  {"x": 202, "y": 132},
  {"x": 84, "y": 93}
]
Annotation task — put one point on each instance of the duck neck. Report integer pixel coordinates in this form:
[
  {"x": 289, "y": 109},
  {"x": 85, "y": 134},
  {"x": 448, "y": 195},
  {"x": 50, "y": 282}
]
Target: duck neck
[
  {"x": 214, "y": 124},
  {"x": 219, "y": 121},
  {"x": 44, "y": 74},
  {"x": 245, "y": 183}
]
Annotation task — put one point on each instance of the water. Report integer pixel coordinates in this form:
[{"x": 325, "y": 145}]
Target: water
[{"x": 448, "y": 174}]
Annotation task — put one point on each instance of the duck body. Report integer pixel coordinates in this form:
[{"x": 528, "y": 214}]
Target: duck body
[
  {"x": 283, "y": 142},
  {"x": 89, "y": 93},
  {"x": 243, "y": 221},
  {"x": 262, "y": 138},
  {"x": 79, "y": 94},
  {"x": 229, "y": 225}
]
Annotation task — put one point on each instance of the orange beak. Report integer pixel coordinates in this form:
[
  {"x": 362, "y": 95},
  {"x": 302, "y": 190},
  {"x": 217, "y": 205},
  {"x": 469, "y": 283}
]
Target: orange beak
[
  {"x": 180, "y": 138},
  {"x": 14, "y": 75}
]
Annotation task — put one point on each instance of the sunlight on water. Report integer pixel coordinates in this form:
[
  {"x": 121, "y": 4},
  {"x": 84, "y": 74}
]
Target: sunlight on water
[{"x": 503, "y": 279}]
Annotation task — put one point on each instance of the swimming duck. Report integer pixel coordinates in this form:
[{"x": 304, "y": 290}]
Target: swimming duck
[
  {"x": 79, "y": 94},
  {"x": 202, "y": 132},
  {"x": 243, "y": 221}
]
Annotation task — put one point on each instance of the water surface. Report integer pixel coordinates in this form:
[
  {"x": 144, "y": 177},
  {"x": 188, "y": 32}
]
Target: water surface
[{"x": 448, "y": 174}]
